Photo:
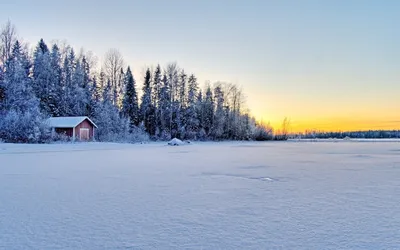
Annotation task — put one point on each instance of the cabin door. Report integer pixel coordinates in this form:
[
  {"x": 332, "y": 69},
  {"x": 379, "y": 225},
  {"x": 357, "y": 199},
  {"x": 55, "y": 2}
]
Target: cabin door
[{"x": 84, "y": 134}]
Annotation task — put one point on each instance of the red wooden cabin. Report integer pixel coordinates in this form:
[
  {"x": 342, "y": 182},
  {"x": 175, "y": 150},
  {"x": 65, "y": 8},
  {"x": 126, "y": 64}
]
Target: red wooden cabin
[{"x": 76, "y": 127}]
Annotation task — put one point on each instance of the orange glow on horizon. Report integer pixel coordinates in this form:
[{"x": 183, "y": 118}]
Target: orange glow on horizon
[
  {"x": 336, "y": 124},
  {"x": 324, "y": 114},
  {"x": 325, "y": 103}
]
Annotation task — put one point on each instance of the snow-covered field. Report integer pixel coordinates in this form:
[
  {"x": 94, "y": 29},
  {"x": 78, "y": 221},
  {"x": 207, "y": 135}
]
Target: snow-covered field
[{"x": 233, "y": 195}]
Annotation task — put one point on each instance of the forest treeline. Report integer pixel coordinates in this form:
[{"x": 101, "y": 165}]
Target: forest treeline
[{"x": 52, "y": 80}]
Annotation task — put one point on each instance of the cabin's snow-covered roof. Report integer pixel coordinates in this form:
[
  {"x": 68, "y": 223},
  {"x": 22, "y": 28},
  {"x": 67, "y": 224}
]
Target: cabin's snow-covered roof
[{"x": 67, "y": 122}]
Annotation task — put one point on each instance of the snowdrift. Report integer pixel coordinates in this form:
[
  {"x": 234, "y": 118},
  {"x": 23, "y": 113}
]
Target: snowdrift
[{"x": 177, "y": 142}]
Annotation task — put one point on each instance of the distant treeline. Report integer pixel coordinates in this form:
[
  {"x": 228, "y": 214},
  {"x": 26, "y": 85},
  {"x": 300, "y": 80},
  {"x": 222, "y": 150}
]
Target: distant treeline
[{"x": 371, "y": 134}]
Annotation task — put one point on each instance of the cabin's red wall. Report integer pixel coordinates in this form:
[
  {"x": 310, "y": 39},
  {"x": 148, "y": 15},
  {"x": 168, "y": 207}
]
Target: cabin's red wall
[{"x": 84, "y": 124}]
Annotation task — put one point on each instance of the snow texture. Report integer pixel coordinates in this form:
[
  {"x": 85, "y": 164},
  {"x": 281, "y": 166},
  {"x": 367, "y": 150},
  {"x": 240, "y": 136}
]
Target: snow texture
[
  {"x": 275, "y": 195},
  {"x": 67, "y": 122}
]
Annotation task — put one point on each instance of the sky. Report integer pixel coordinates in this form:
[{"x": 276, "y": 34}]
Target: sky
[{"x": 326, "y": 65}]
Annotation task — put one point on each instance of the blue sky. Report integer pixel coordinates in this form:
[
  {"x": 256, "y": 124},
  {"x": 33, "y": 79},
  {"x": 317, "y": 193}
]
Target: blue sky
[{"x": 317, "y": 62}]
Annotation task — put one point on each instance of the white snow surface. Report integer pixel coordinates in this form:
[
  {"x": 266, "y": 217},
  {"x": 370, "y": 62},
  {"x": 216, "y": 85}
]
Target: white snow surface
[
  {"x": 67, "y": 122},
  {"x": 231, "y": 195}
]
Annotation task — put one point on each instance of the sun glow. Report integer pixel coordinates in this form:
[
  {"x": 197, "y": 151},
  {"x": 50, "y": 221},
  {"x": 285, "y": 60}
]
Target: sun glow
[{"x": 336, "y": 124}]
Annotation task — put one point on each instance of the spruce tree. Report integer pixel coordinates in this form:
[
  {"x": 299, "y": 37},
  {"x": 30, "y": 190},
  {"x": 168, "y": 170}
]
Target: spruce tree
[
  {"x": 220, "y": 115},
  {"x": 107, "y": 96},
  {"x": 86, "y": 88},
  {"x": 43, "y": 80},
  {"x": 208, "y": 111},
  {"x": 19, "y": 95},
  {"x": 102, "y": 84},
  {"x": 165, "y": 109},
  {"x": 77, "y": 98},
  {"x": 191, "y": 117},
  {"x": 130, "y": 102},
  {"x": 68, "y": 85},
  {"x": 200, "y": 115},
  {"x": 180, "y": 107},
  {"x": 182, "y": 89},
  {"x": 95, "y": 96},
  {"x": 156, "y": 88},
  {"x": 146, "y": 107},
  {"x": 56, "y": 79}
]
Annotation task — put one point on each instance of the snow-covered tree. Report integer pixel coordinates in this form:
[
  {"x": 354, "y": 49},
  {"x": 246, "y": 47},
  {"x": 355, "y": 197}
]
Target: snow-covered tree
[
  {"x": 56, "y": 79},
  {"x": 17, "y": 82},
  {"x": 262, "y": 131},
  {"x": 146, "y": 105},
  {"x": 130, "y": 102},
  {"x": 102, "y": 84},
  {"x": 113, "y": 66},
  {"x": 219, "y": 120},
  {"x": 201, "y": 134},
  {"x": 182, "y": 89},
  {"x": 21, "y": 118},
  {"x": 165, "y": 109},
  {"x": 94, "y": 96},
  {"x": 173, "y": 83},
  {"x": 67, "y": 83},
  {"x": 78, "y": 98},
  {"x": 87, "y": 87},
  {"x": 191, "y": 117},
  {"x": 2, "y": 88},
  {"x": 179, "y": 107},
  {"x": 173, "y": 80},
  {"x": 156, "y": 92},
  {"x": 8, "y": 37},
  {"x": 208, "y": 111},
  {"x": 120, "y": 90},
  {"x": 44, "y": 84},
  {"x": 107, "y": 92}
]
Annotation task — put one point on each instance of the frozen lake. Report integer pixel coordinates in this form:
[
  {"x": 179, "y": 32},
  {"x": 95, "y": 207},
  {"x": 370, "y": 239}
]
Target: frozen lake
[{"x": 274, "y": 195}]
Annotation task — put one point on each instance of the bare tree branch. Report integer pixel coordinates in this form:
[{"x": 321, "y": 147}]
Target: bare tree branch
[
  {"x": 8, "y": 36},
  {"x": 113, "y": 65}
]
